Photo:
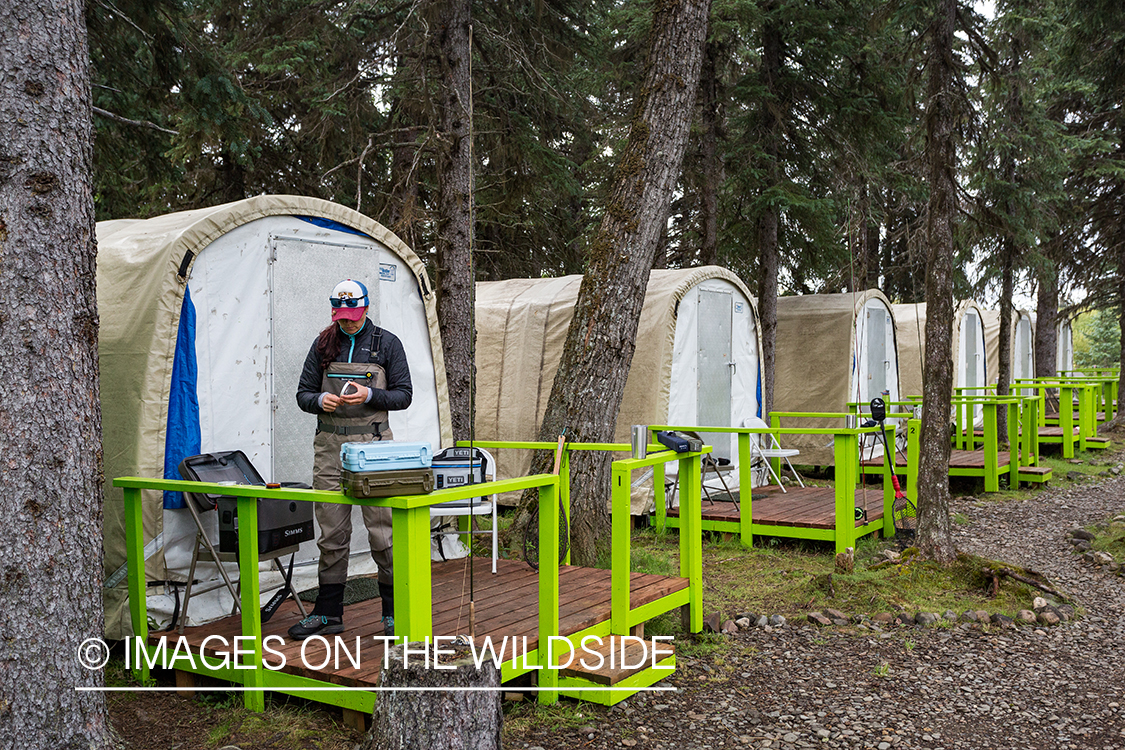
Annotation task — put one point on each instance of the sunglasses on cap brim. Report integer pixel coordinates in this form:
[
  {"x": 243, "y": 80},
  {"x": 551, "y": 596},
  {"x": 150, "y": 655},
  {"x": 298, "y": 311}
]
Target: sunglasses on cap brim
[{"x": 337, "y": 302}]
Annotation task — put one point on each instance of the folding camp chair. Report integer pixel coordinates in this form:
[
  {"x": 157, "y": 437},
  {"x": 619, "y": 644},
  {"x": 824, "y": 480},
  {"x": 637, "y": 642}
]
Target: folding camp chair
[
  {"x": 762, "y": 455},
  {"x": 235, "y": 468},
  {"x": 456, "y": 467}
]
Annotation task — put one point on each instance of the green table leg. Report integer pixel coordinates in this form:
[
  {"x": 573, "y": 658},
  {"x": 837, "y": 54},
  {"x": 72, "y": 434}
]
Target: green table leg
[
  {"x": 414, "y": 610},
  {"x": 255, "y": 697},
  {"x": 548, "y": 589},
  {"x": 745, "y": 495},
  {"x": 135, "y": 559}
]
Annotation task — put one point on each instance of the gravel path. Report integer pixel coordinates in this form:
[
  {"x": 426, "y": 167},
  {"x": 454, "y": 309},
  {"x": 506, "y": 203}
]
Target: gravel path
[{"x": 799, "y": 687}]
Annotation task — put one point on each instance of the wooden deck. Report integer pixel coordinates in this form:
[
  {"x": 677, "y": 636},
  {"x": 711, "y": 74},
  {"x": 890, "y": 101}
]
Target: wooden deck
[
  {"x": 1056, "y": 416},
  {"x": 506, "y": 604},
  {"x": 958, "y": 459},
  {"x": 803, "y": 507}
]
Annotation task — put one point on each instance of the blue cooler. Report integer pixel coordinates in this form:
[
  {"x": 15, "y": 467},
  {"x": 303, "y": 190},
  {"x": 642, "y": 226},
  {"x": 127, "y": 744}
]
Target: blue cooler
[{"x": 385, "y": 455}]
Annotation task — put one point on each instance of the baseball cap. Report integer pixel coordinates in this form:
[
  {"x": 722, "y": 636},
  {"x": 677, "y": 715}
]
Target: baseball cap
[{"x": 349, "y": 300}]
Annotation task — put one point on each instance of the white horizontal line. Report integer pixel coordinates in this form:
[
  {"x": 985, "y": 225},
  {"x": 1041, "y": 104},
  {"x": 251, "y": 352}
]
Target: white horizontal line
[{"x": 404, "y": 689}]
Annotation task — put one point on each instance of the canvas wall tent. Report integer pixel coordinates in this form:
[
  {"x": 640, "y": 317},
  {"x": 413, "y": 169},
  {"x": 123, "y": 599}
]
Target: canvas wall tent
[
  {"x": 696, "y": 359},
  {"x": 970, "y": 356},
  {"x": 1022, "y": 344},
  {"x": 206, "y": 319},
  {"x": 832, "y": 349},
  {"x": 1064, "y": 347}
]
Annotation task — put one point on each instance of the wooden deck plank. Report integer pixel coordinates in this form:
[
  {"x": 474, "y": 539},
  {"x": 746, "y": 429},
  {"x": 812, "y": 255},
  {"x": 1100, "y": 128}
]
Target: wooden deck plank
[
  {"x": 803, "y": 507},
  {"x": 506, "y": 604}
]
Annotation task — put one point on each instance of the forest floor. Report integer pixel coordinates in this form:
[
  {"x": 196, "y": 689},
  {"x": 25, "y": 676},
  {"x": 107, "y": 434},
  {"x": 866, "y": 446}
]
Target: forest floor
[{"x": 867, "y": 684}]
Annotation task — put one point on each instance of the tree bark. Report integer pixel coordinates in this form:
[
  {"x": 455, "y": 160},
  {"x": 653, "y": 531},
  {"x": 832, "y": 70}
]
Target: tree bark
[
  {"x": 935, "y": 528},
  {"x": 1046, "y": 321},
  {"x": 712, "y": 164},
  {"x": 1004, "y": 368},
  {"x": 450, "y": 20},
  {"x": 767, "y": 227},
  {"x": 590, "y": 381},
  {"x": 50, "y": 421},
  {"x": 441, "y": 719}
]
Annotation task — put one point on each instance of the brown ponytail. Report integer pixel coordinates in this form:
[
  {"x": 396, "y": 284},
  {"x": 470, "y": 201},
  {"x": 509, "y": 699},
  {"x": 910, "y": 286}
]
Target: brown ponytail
[{"x": 328, "y": 345}]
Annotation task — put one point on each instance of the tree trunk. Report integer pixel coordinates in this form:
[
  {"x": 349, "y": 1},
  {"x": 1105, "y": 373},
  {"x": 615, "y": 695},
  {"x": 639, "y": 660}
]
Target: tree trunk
[
  {"x": 1046, "y": 322},
  {"x": 450, "y": 19},
  {"x": 767, "y": 227},
  {"x": 1118, "y": 420},
  {"x": 441, "y": 719},
  {"x": 50, "y": 421},
  {"x": 935, "y": 529},
  {"x": 590, "y": 381},
  {"x": 1004, "y": 368},
  {"x": 712, "y": 164}
]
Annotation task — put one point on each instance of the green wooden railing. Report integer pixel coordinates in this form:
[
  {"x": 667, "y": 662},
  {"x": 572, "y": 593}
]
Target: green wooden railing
[
  {"x": 1085, "y": 419},
  {"x": 1105, "y": 380},
  {"x": 691, "y": 540},
  {"x": 846, "y": 448},
  {"x": 413, "y": 603},
  {"x": 412, "y": 569}
]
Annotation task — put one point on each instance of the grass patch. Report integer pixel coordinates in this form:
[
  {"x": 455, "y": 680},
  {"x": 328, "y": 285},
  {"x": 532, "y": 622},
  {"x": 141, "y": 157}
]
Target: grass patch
[
  {"x": 523, "y": 716},
  {"x": 792, "y": 577},
  {"x": 1110, "y": 537}
]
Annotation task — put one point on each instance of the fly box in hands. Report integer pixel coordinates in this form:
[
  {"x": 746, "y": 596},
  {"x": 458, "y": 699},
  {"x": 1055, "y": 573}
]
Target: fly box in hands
[
  {"x": 385, "y": 455},
  {"x": 387, "y": 483}
]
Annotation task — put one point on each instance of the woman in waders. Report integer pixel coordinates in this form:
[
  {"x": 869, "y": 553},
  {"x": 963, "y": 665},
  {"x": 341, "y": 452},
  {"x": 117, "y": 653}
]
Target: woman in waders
[{"x": 354, "y": 375}]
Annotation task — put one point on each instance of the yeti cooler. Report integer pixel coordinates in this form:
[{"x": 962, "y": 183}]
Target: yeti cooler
[{"x": 385, "y": 455}]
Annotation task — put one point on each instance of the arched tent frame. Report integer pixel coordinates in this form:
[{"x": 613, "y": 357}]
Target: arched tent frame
[
  {"x": 825, "y": 359},
  {"x": 1022, "y": 337},
  {"x": 968, "y": 340},
  {"x": 521, "y": 330},
  {"x": 146, "y": 271}
]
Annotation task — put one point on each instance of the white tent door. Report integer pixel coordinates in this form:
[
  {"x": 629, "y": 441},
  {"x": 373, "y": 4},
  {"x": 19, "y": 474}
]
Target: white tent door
[
  {"x": 302, "y": 275},
  {"x": 973, "y": 369},
  {"x": 1023, "y": 356},
  {"x": 713, "y": 386},
  {"x": 877, "y": 360}
]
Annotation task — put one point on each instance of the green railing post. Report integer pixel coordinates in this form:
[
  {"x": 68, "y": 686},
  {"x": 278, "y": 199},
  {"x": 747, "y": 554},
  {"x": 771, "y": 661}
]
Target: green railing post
[
  {"x": 255, "y": 697},
  {"x": 621, "y": 547},
  {"x": 414, "y": 612},
  {"x": 1086, "y": 419},
  {"x": 1013, "y": 410},
  {"x": 991, "y": 449},
  {"x": 660, "y": 497},
  {"x": 135, "y": 557},
  {"x": 548, "y": 588},
  {"x": 846, "y": 451},
  {"x": 745, "y": 495},
  {"x": 913, "y": 452},
  {"x": 1066, "y": 419},
  {"x": 888, "y": 486},
  {"x": 691, "y": 536}
]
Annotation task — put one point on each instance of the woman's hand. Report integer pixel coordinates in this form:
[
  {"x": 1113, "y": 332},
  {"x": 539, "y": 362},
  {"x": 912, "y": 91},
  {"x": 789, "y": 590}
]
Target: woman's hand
[
  {"x": 330, "y": 402},
  {"x": 357, "y": 394}
]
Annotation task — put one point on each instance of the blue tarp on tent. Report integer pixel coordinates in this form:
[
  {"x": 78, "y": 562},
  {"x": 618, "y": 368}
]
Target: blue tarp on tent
[{"x": 182, "y": 438}]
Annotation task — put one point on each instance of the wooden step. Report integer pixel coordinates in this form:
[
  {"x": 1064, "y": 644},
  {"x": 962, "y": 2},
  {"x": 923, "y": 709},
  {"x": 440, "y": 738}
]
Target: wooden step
[
  {"x": 638, "y": 656},
  {"x": 1098, "y": 443},
  {"x": 1035, "y": 473}
]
